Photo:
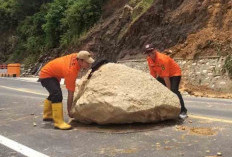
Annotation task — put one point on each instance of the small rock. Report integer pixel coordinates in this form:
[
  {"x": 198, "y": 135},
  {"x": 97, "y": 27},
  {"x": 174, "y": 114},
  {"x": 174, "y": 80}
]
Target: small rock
[
  {"x": 222, "y": 83},
  {"x": 208, "y": 151},
  {"x": 167, "y": 148},
  {"x": 219, "y": 154},
  {"x": 34, "y": 124},
  {"x": 166, "y": 142},
  {"x": 204, "y": 71}
]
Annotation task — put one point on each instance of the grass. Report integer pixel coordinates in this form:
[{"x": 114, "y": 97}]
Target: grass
[{"x": 139, "y": 8}]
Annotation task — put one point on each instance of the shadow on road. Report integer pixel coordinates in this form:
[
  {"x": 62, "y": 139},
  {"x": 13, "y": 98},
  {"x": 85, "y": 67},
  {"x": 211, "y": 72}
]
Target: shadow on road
[{"x": 124, "y": 128}]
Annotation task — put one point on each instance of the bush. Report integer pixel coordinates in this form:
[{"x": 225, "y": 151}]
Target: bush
[
  {"x": 14, "y": 11},
  {"x": 80, "y": 16},
  {"x": 22, "y": 19},
  {"x": 43, "y": 25},
  {"x": 140, "y": 6},
  {"x": 30, "y": 60},
  {"x": 6, "y": 16},
  {"x": 31, "y": 32},
  {"x": 52, "y": 27}
]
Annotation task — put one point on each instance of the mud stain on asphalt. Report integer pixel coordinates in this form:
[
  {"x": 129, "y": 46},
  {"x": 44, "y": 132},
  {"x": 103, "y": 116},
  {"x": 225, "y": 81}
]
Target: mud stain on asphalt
[{"x": 204, "y": 131}]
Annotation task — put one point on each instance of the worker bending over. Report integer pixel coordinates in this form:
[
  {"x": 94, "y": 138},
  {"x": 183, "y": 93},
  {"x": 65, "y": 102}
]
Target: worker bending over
[
  {"x": 166, "y": 71},
  {"x": 66, "y": 67}
]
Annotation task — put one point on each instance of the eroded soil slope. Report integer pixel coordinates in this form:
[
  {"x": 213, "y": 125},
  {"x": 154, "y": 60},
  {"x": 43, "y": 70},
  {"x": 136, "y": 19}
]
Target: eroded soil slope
[{"x": 190, "y": 28}]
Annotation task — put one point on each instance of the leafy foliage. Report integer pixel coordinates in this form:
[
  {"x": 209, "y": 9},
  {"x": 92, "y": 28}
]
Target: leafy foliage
[
  {"x": 52, "y": 27},
  {"x": 41, "y": 25},
  {"x": 31, "y": 32},
  {"x": 79, "y": 17},
  {"x": 140, "y": 6},
  {"x": 14, "y": 11}
]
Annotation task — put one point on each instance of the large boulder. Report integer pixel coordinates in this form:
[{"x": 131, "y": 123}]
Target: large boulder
[{"x": 118, "y": 94}]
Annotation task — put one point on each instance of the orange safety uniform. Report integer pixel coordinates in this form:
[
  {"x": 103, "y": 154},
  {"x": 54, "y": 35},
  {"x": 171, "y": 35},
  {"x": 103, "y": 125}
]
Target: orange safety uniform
[
  {"x": 164, "y": 66},
  {"x": 63, "y": 67}
]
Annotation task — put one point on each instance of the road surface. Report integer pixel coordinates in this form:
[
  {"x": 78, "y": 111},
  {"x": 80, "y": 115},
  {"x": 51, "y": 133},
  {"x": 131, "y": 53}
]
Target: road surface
[{"x": 206, "y": 132}]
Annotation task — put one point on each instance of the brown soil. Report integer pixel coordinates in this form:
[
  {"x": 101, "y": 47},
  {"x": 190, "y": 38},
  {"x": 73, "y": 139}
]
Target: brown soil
[
  {"x": 203, "y": 91},
  {"x": 215, "y": 37},
  {"x": 197, "y": 130},
  {"x": 190, "y": 28},
  {"x": 202, "y": 131}
]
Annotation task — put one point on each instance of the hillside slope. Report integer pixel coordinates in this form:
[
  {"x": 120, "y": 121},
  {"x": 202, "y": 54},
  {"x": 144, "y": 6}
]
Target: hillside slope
[
  {"x": 190, "y": 28},
  {"x": 186, "y": 28}
]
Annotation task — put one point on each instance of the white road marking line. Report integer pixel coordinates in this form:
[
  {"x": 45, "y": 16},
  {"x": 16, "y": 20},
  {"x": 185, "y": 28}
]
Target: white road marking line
[
  {"x": 207, "y": 103},
  {"x": 24, "y": 90},
  {"x": 20, "y": 148},
  {"x": 210, "y": 118},
  {"x": 31, "y": 80}
]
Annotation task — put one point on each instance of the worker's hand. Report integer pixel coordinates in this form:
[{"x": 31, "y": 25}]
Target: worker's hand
[
  {"x": 167, "y": 82},
  {"x": 70, "y": 115},
  {"x": 69, "y": 103}
]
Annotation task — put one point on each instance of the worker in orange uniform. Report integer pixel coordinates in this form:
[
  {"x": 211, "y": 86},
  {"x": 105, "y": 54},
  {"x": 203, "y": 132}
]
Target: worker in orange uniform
[
  {"x": 166, "y": 71},
  {"x": 66, "y": 67}
]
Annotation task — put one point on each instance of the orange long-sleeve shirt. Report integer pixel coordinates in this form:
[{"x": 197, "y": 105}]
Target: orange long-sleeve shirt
[
  {"x": 63, "y": 67},
  {"x": 163, "y": 66}
]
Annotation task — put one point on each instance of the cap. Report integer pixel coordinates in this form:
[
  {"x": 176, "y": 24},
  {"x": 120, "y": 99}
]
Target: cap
[
  {"x": 149, "y": 48},
  {"x": 86, "y": 56}
]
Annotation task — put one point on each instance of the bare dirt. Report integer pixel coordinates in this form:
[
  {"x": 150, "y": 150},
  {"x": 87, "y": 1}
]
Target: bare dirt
[
  {"x": 190, "y": 28},
  {"x": 215, "y": 38},
  {"x": 203, "y": 91},
  {"x": 204, "y": 131}
]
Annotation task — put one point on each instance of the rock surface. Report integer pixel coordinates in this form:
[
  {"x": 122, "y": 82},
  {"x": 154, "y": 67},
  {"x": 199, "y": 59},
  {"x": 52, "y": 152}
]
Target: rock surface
[{"x": 118, "y": 94}]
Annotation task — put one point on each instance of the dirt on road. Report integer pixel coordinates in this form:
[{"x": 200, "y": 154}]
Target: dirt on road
[{"x": 203, "y": 91}]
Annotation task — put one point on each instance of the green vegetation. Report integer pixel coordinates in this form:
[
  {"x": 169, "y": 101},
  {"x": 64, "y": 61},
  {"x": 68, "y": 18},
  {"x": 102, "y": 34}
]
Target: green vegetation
[
  {"x": 52, "y": 27},
  {"x": 140, "y": 6},
  {"x": 40, "y": 26},
  {"x": 14, "y": 11},
  {"x": 79, "y": 17}
]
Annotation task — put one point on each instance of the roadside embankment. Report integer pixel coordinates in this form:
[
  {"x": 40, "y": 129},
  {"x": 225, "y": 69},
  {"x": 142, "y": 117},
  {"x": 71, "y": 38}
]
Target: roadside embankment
[{"x": 201, "y": 77}]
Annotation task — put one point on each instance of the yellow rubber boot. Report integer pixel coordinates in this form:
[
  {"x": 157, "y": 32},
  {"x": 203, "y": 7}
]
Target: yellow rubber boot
[
  {"x": 47, "y": 110},
  {"x": 57, "y": 114}
]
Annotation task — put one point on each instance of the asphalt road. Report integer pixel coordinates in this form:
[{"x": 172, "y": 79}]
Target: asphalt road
[{"x": 206, "y": 132}]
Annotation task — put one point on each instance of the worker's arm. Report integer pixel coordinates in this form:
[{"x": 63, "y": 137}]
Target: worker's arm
[
  {"x": 152, "y": 71},
  {"x": 166, "y": 72},
  {"x": 167, "y": 82},
  {"x": 70, "y": 85},
  {"x": 69, "y": 102}
]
